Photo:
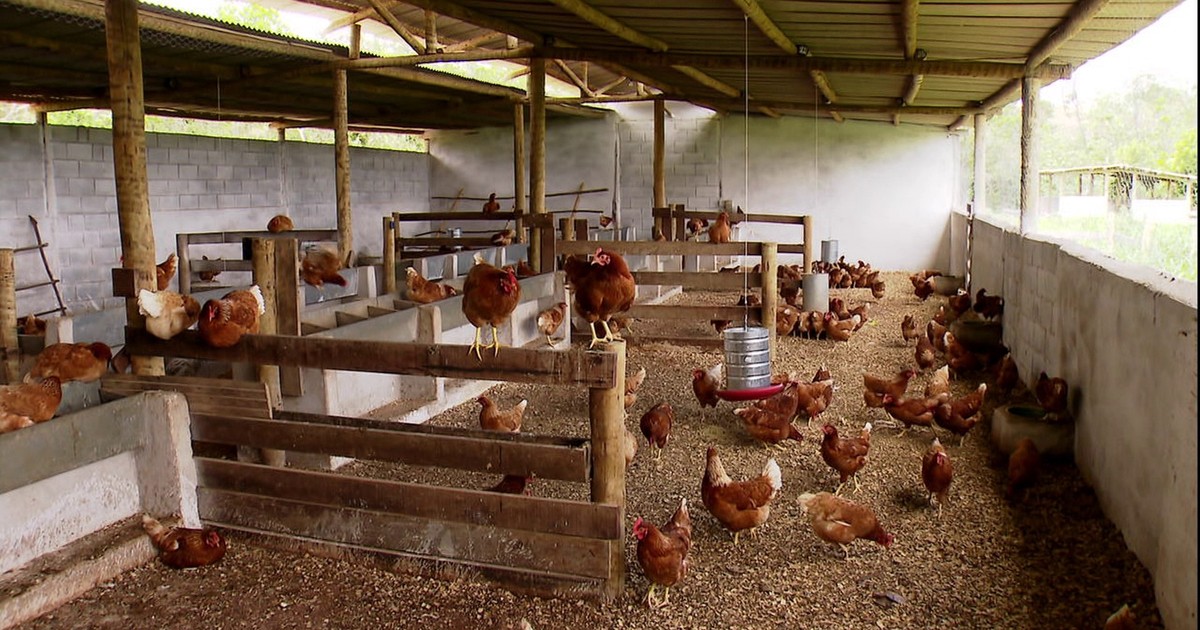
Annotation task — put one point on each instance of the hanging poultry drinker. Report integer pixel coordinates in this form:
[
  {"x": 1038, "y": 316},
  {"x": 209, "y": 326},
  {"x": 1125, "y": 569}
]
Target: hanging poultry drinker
[{"x": 748, "y": 364}]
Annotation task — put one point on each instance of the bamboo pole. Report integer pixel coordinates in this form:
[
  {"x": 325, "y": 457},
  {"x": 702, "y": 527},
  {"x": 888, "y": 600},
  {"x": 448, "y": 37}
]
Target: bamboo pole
[
  {"x": 8, "y": 317},
  {"x": 537, "y": 152},
  {"x": 124, "y": 55},
  {"x": 389, "y": 255},
  {"x": 519, "y": 200},
  {"x": 770, "y": 290},
  {"x": 660, "y": 148},
  {"x": 1029, "y": 154},
  {"x": 606, "y": 408}
]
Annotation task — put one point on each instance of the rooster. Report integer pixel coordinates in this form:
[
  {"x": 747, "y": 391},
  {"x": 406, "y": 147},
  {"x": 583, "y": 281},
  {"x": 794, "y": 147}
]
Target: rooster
[
  {"x": 182, "y": 547},
  {"x": 84, "y": 362},
  {"x": 167, "y": 313},
  {"x": 603, "y": 287},
  {"x": 719, "y": 231},
  {"x": 706, "y": 384},
  {"x": 937, "y": 472},
  {"x": 164, "y": 271},
  {"x": 491, "y": 205},
  {"x": 656, "y": 427},
  {"x": 845, "y": 455},
  {"x": 490, "y": 296},
  {"x": 423, "y": 291},
  {"x": 549, "y": 320},
  {"x": 662, "y": 553},
  {"x": 841, "y": 521},
  {"x": 739, "y": 505},
  {"x": 280, "y": 223},
  {"x": 224, "y": 321},
  {"x": 492, "y": 419},
  {"x": 36, "y": 401},
  {"x": 321, "y": 265}
]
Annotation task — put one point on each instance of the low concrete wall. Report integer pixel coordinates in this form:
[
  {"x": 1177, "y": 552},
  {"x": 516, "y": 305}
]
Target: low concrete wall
[
  {"x": 1124, "y": 337},
  {"x": 59, "y": 482}
]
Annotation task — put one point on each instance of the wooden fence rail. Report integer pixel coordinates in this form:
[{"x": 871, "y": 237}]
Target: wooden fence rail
[{"x": 184, "y": 241}]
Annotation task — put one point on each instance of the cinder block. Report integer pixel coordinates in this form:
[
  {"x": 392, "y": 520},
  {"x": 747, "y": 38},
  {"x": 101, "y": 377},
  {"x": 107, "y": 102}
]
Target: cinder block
[
  {"x": 188, "y": 171},
  {"x": 206, "y": 171},
  {"x": 78, "y": 151},
  {"x": 179, "y": 156}
]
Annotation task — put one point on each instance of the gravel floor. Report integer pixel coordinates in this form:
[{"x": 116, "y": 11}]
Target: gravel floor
[{"x": 1051, "y": 561}]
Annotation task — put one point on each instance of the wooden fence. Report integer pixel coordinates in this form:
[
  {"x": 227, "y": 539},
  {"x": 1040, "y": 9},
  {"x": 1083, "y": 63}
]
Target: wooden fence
[
  {"x": 547, "y": 544},
  {"x": 186, "y": 265},
  {"x": 672, "y": 223}
]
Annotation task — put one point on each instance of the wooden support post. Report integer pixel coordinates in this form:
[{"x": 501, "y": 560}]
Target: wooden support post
[
  {"x": 429, "y": 330},
  {"x": 389, "y": 255},
  {"x": 1029, "y": 154},
  {"x": 544, "y": 239},
  {"x": 809, "y": 246},
  {"x": 678, "y": 222},
  {"x": 183, "y": 264},
  {"x": 660, "y": 151},
  {"x": 770, "y": 290},
  {"x": 263, "y": 259},
  {"x": 566, "y": 227},
  {"x": 8, "y": 317},
  {"x": 537, "y": 153},
  {"x": 519, "y": 205},
  {"x": 287, "y": 307},
  {"x": 124, "y": 54},
  {"x": 606, "y": 408},
  {"x": 341, "y": 160},
  {"x": 581, "y": 230}
]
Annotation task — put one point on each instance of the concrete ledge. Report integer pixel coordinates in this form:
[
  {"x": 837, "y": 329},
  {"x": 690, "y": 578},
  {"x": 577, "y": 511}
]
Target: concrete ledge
[{"x": 60, "y": 576}]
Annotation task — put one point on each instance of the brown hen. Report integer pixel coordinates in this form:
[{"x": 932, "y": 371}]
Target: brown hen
[
  {"x": 491, "y": 418},
  {"x": 84, "y": 362},
  {"x": 183, "y": 547},
  {"x": 845, "y": 455},
  {"x": 937, "y": 472},
  {"x": 603, "y": 287},
  {"x": 224, "y": 321},
  {"x": 739, "y": 505},
  {"x": 490, "y": 296},
  {"x": 662, "y": 553},
  {"x": 841, "y": 521},
  {"x": 38, "y": 401},
  {"x": 321, "y": 265},
  {"x": 656, "y": 427}
]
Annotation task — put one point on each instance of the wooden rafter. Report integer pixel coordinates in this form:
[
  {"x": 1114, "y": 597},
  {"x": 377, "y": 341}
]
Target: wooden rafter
[
  {"x": 734, "y": 104},
  {"x": 475, "y": 42},
  {"x": 389, "y": 18},
  {"x": 765, "y": 24},
  {"x": 909, "y": 18},
  {"x": 575, "y": 78},
  {"x": 590, "y": 14},
  {"x": 347, "y": 20},
  {"x": 822, "y": 83},
  {"x": 1075, "y": 21},
  {"x": 981, "y": 69},
  {"x": 483, "y": 20},
  {"x": 431, "y": 36}
]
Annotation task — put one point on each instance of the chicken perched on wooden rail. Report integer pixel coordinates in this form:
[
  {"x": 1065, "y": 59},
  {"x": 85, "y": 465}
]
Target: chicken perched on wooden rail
[
  {"x": 224, "y": 321},
  {"x": 720, "y": 231},
  {"x": 280, "y": 223},
  {"x": 491, "y": 205},
  {"x": 84, "y": 362},
  {"x": 208, "y": 276},
  {"x": 490, "y": 296},
  {"x": 662, "y": 553},
  {"x": 184, "y": 547},
  {"x": 167, "y": 313},
  {"x": 603, "y": 287}
]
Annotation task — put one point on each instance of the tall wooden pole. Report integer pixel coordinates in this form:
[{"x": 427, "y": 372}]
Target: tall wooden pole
[
  {"x": 341, "y": 155},
  {"x": 519, "y": 205},
  {"x": 537, "y": 151},
  {"x": 1029, "y": 154},
  {"x": 606, "y": 408},
  {"x": 770, "y": 291},
  {"x": 8, "y": 317},
  {"x": 262, "y": 255},
  {"x": 660, "y": 152},
  {"x": 129, "y": 159},
  {"x": 979, "y": 199}
]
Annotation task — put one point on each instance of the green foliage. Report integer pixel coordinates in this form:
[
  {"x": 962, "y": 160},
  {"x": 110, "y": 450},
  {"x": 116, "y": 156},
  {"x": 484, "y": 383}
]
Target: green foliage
[{"x": 253, "y": 16}]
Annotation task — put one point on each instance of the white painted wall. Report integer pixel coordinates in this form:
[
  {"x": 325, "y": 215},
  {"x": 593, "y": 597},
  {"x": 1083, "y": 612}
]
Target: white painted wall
[
  {"x": 884, "y": 192},
  {"x": 1124, "y": 337}
]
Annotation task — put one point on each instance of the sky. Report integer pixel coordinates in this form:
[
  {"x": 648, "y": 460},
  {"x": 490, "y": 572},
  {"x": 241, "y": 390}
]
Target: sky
[{"x": 1166, "y": 49}]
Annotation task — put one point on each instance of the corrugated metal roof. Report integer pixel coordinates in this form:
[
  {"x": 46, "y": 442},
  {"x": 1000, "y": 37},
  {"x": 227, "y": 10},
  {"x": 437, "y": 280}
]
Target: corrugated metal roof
[{"x": 704, "y": 51}]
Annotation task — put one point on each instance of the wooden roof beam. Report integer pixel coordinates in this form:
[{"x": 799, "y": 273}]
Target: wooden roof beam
[
  {"x": 1074, "y": 22},
  {"x": 982, "y": 69},
  {"x": 605, "y": 88},
  {"x": 483, "y": 20},
  {"x": 595, "y": 17},
  {"x": 431, "y": 37},
  {"x": 909, "y": 18},
  {"x": 352, "y": 18},
  {"x": 575, "y": 79},
  {"x": 999, "y": 98},
  {"x": 822, "y": 83},
  {"x": 389, "y": 18},
  {"x": 765, "y": 24},
  {"x": 475, "y": 42}
]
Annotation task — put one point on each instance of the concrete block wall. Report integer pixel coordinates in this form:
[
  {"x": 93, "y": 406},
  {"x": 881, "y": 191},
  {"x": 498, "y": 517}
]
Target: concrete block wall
[
  {"x": 196, "y": 184},
  {"x": 691, "y": 162},
  {"x": 1124, "y": 338}
]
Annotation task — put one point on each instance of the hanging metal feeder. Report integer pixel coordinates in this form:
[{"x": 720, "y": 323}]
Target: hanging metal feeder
[{"x": 748, "y": 364}]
